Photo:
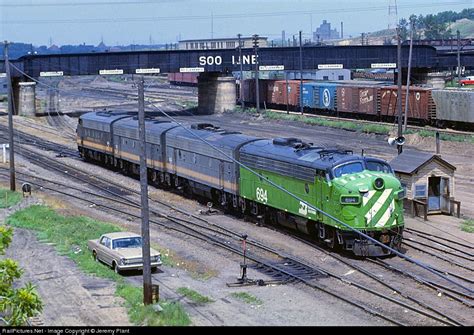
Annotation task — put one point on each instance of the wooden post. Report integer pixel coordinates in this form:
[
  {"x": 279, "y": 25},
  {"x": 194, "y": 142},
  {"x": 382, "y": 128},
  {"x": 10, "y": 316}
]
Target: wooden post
[{"x": 147, "y": 288}]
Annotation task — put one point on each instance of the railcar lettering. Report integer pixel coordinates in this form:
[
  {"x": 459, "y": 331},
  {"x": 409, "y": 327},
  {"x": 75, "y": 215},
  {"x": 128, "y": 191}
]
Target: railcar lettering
[{"x": 262, "y": 195}]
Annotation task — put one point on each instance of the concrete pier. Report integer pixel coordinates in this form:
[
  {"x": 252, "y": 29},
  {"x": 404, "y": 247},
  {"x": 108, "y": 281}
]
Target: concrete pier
[
  {"x": 216, "y": 93},
  {"x": 26, "y": 100}
]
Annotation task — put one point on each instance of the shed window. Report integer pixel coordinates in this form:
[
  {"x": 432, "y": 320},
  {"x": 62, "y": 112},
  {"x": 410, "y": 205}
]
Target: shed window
[{"x": 420, "y": 191}]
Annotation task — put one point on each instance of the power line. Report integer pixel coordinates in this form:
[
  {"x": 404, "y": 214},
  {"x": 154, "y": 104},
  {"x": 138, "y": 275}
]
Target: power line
[
  {"x": 230, "y": 16},
  {"x": 91, "y": 3}
]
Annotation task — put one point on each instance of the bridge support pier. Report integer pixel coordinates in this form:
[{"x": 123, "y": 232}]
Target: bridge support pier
[
  {"x": 27, "y": 97},
  {"x": 216, "y": 93}
]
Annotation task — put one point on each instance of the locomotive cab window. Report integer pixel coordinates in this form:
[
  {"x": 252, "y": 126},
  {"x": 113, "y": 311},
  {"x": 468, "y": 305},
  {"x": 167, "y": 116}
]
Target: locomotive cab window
[
  {"x": 349, "y": 168},
  {"x": 378, "y": 167}
]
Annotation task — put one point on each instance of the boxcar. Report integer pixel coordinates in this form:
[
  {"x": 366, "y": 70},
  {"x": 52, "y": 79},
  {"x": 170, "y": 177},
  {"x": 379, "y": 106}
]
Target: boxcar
[
  {"x": 319, "y": 95},
  {"x": 421, "y": 106},
  {"x": 455, "y": 106},
  {"x": 358, "y": 99}
]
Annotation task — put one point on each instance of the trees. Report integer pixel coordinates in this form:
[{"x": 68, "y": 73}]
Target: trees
[
  {"x": 16, "y": 304},
  {"x": 434, "y": 26}
]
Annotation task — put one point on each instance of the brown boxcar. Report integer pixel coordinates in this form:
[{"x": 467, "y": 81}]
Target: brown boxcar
[
  {"x": 249, "y": 91},
  {"x": 279, "y": 94},
  {"x": 421, "y": 105},
  {"x": 183, "y": 78},
  {"x": 357, "y": 99}
]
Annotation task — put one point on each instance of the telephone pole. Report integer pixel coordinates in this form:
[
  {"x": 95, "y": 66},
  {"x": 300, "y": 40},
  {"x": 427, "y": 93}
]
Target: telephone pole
[
  {"x": 242, "y": 103},
  {"x": 407, "y": 98},
  {"x": 399, "y": 91},
  {"x": 459, "y": 57},
  {"x": 257, "y": 91},
  {"x": 10, "y": 117},
  {"x": 301, "y": 74},
  {"x": 147, "y": 289}
]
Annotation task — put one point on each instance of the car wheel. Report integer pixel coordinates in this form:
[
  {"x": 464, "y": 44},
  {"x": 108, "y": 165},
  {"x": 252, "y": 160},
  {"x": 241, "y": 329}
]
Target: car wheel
[
  {"x": 94, "y": 255},
  {"x": 116, "y": 268}
]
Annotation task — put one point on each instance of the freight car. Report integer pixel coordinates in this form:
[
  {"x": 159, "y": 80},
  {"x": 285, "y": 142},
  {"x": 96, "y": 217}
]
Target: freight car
[
  {"x": 364, "y": 100},
  {"x": 360, "y": 191},
  {"x": 184, "y": 79}
]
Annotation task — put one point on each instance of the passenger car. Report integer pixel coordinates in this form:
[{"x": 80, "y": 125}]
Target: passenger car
[
  {"x": 467, "y": 81},
  {"x": 122, "y": 251}
]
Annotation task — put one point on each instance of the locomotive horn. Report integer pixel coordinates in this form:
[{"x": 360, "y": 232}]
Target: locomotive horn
[{"x": 396, "y": 140}]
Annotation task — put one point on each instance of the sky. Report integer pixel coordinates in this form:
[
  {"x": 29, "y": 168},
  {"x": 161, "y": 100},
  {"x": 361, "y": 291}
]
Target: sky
[{"x": 123, "y": 22}]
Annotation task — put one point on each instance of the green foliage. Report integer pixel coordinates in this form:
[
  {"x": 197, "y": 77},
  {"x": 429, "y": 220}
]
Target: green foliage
[
  {"x": 247, "y": 298},
  {"x": 9, "y": 198},
  {"x": 16, "y": 304},
  {"x": 6, "y": 234},
  {"x": 193, "y": 295},
  {"x": 20, "y": 304},
  {"x": 468, "y": 226},
  {"x": 435, "y": 26},
  {"x": 172, "y": 314}
]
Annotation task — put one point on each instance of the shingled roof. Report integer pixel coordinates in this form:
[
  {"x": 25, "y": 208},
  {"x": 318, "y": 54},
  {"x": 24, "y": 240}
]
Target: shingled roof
[{"x": 409, "y": 161}]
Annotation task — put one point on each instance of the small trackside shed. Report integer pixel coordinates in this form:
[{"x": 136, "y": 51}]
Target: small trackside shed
[{"x": 428, "y": 180}]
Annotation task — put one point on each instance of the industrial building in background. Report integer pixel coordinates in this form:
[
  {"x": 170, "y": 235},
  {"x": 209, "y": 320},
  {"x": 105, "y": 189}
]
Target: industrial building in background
[
  {"x": 221, "y": 43},
  {"x": 324, "y": 32}
]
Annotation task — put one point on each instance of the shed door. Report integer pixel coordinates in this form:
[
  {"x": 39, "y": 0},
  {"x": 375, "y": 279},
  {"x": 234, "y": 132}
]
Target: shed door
[
  {"x": 434, "y": 193},
  {"x": 444, "y": 200}
]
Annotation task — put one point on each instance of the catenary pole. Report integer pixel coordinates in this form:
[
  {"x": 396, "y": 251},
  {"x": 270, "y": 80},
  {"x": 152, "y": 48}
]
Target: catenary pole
[{"x": 147, "y": 289}]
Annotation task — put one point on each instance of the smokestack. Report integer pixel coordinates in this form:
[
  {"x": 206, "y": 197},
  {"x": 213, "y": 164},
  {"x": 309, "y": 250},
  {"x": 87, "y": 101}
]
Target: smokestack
[{"x": 342, "y": 30}]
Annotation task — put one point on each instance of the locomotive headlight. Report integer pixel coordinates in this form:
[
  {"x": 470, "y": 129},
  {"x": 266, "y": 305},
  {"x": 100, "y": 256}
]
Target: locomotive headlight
[
  {"x": 378, "y": 183},
  {"x": 350, "y": 199},
  {"x": 401, "y": 194}
]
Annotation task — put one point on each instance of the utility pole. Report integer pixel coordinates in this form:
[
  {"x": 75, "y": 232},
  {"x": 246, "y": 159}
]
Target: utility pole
[
  {"x": 257, "y": 91},
  {"x": 241, "y": 88},
  {"x": 459, "y": 57},
  {"x": 399, "y": 91},
  {"x": 10, "y": 117},
  {"x": 301, "y": 74},
  {"x": 407, "y": 98},
  {"x": 147, "y": 290}
]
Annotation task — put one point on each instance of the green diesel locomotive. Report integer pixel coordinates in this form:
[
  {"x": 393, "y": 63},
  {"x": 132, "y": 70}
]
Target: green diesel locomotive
[{"x": 259, "y": 177}]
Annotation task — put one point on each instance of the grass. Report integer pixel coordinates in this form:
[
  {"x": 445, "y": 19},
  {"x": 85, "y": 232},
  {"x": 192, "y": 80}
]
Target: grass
[
  {"x": 193, "y": 295},
  {"x": 9, "y": 198},
  {"x": 70, "y": 235},
  {"x": 353, "y": 125},
  {"x": 247, "y": 298},
  {"x": 173, "y": 313},
  {"x": 468, "y": 226}
]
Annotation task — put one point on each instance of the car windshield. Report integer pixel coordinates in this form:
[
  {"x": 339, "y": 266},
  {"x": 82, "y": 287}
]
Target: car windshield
[
  {"x": 128, "y": 242},
  {"x": 379, "y": 167},
  {"x": 348, "y": 168}
]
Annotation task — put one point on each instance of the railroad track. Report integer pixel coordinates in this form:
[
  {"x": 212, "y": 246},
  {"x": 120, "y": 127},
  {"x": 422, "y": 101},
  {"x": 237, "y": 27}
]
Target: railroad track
[{"x": 295, "y": 270}]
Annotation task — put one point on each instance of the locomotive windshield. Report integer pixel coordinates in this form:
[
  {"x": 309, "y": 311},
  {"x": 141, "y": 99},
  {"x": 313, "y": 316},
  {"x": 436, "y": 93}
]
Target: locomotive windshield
[
  {"x": 349, "y": 168},
  {"x": 378, "y": 167}
]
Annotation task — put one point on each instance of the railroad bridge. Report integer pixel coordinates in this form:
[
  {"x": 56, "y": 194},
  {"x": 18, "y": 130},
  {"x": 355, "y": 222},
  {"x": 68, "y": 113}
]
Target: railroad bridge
[{"x": 216, "y": 66}]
